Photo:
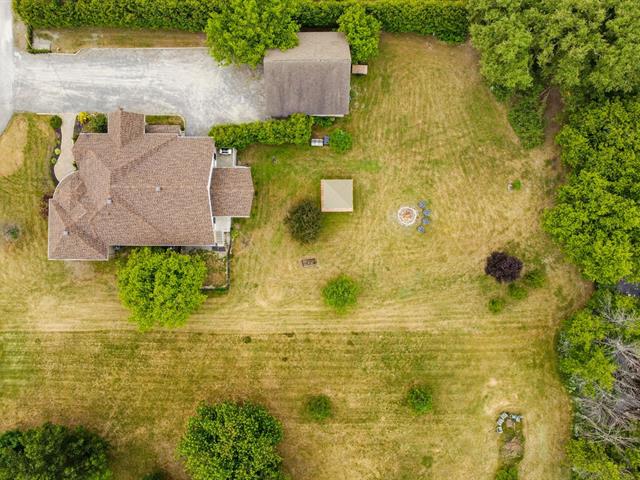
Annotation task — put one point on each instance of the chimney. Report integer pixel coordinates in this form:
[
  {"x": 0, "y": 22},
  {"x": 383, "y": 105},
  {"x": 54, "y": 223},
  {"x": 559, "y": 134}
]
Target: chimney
[{"x": 158, "y": 188}]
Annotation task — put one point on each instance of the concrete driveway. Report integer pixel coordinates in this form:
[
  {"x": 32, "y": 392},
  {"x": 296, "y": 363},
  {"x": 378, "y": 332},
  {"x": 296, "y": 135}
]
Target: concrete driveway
[
  {"x": 184, "y": 81},
  {"x": 6, "y": 63}
]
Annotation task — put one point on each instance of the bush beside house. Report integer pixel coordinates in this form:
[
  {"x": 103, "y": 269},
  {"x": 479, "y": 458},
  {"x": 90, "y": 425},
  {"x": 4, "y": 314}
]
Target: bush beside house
[
  {"x": 296, "y": 130},
  {"x": 362, "y": 32}
]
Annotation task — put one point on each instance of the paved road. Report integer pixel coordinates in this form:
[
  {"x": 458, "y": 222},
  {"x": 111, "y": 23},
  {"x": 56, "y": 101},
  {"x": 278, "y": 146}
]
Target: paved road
[
  {"x": 6, "y": 63},
  {"x": 152, "y": 81}
]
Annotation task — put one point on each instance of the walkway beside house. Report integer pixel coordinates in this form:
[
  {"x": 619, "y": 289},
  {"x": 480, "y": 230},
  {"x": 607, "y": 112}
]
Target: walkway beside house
[
  {"x": 64, "y": 166},
  {"x": 6, "y": 63}
]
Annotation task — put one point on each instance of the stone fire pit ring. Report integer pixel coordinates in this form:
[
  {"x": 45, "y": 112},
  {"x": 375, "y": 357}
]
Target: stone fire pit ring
[{"x": 407, "y": 216}]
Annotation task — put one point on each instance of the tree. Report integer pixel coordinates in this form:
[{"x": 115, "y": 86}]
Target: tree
[
  {"x": 501, "y": 31},
  {"x": 503, "y": 267},
  {"x": 340, "y": 293},
  {"x": 597, "y": 216},
  {"x": 232, "y": 441},
  {"x": 53, "y": 452},
  {"x": 362, "y": 32},
  {"x": 590, "y": 461},
  {"x": 241, "y": 31},
  {"x": 161, "y": 287},
  {"x": 591, "y": 46},
  {"x": 587, "y": 48},
  {"x": 304, "y": 221}
]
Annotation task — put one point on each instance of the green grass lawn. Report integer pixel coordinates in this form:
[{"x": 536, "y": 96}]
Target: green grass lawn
[{"x": 424, "y": 126}]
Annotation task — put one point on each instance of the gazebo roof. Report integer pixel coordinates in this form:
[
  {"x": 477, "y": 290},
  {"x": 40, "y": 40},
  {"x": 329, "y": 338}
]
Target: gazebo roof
[{"x": 336, "y": 195}]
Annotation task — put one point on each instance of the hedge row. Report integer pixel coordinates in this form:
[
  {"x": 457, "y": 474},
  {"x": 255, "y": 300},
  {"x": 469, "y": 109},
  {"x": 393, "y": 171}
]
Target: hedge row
[
  {"x": 295, "y": 129},
  {"x": 446, "y": 19}
]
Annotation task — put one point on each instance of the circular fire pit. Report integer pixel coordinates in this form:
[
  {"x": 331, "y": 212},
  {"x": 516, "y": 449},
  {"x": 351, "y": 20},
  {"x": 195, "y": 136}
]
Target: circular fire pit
[{"x": 407, "y": 216}]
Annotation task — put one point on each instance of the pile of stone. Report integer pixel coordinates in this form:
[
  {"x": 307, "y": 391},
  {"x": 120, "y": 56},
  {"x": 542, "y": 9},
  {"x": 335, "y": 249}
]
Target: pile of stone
[{"x": 507, "y": 419}]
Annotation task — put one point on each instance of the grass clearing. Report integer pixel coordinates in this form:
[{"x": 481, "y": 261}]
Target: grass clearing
[
  {"x": 11, "y": 142},
  {"x": 424, "y": 126},
  {"x": 70, "y": 40}
]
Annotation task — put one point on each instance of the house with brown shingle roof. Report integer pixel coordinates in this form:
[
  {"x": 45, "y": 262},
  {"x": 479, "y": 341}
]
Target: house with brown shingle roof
[{"x": 137, "y": 186}]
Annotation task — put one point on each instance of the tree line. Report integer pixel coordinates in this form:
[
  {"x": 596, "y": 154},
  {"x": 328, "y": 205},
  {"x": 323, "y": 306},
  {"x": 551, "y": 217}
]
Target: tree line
[{"x": 590, "y": 51}]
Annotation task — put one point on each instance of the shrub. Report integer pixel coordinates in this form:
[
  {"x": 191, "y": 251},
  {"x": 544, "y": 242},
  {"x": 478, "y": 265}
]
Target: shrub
[
  {"x": 503, "y": 267},
  {"x": 362, "y": 32},
  {"x": 57, "y": 151},
  {"x": 496, "y": 305},
  {"x": 507, "y": 473},
  {"x": 96, "y": 123},
  {"x": 161, "y": 287},
  {"x": 240, "y": 32},
  {"x": 517, "y": 291},
  {"x": 44, "y": 204},
  {"x": 296, "y": 129},
  {"x": 318, "y": 408},
  {"x": 536, "y": 278},
  {"x": 12, "y": 232},
  {"x": 324, "y": 122},
  {"x": 340, "y": 140},
  {"x": 526, "y": 116},
  {"x": 83, "y": 117},
  {"x": 419, "y": 399},
  {"x": 516, "y": 185},
  {"x": 232, "y": 440},
  {"x": 304, "y": 221},
  {"x": 55, "y": 121},
  {"x": 446, "y": 19},
  {"x": 53, "y": 451},
  {"x": 340, "y": 293}
]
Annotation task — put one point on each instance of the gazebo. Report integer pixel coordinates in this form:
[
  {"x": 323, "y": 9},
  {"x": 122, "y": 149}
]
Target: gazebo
[{"x": 336, "y": 195}]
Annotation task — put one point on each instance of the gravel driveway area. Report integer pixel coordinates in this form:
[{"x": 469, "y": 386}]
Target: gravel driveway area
[{"x": 183, "y": 81}]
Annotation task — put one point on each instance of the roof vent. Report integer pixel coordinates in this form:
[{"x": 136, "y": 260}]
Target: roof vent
[
  {"x": 65, "y": 232},
  {"x": 109, "y": 201},
  {"x": 158, "y": 188}
]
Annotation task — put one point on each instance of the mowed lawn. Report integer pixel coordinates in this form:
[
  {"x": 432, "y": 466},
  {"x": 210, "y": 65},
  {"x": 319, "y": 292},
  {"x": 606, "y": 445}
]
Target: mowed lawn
[{"x": 424, "y": 126}]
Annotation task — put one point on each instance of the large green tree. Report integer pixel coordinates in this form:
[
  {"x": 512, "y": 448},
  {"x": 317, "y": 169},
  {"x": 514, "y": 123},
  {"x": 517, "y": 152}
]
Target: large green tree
[
  {"x": 232, "y": 441},
  {"x": 161, "y": 287},
  {"x": 362, "y": 32},
  {"x": 597, "y": 216},
  {"x": 591, "y": 46},
  {"x": 501, "y": 31},
  {"x": 53, "y": 452},
  {"x": 241, "y": 31},
  {"x": 586, "y": 47}
]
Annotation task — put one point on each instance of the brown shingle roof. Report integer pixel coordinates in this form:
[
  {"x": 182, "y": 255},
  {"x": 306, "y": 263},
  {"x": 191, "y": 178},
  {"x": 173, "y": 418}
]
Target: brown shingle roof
[
  {"x": 163, "y": 129},
  {"x": 132, "y": 189},
  {"x": 231, "y": 192},
  {"x": 312, "y": 78}
]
